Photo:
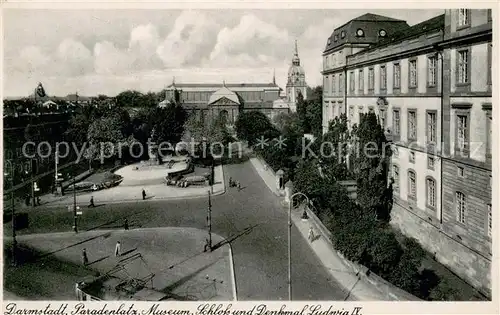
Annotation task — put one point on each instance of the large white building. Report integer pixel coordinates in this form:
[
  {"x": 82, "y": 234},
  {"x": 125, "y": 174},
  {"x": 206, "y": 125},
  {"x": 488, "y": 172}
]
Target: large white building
[{"x": 430, "y": 85}]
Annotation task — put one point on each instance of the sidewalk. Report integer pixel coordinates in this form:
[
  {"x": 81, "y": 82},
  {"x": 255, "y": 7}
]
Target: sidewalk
[
  {"x": 120, "y": 194},
  {"x": 357, "y": 288},
  {"x": 174, "y": 255},
  {"x": 268, "y": 178}
]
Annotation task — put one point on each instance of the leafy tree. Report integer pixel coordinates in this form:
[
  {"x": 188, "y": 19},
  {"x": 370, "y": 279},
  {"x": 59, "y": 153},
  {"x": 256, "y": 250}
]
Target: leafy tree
[
  {"x": 314, "y": 117},
  {"x": 252, "y": 125},
  {"x": 194, "y": 127},
  {"x": 129, "y": 99},
  {"x": 372, "y": 163},
  {"x": 384, "y": 252},
  {"x": 302, "y": 113}
]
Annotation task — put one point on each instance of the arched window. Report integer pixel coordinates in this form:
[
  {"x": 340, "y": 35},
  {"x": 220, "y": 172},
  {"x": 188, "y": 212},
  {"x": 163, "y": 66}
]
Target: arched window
[
  {"x": 412, "y": 185},
  {"x": 395, "y": 176},
  {"x": 430, "y": 185},
  {"x": 461, "y": 206},
  {"x": 223, "y": 115}
]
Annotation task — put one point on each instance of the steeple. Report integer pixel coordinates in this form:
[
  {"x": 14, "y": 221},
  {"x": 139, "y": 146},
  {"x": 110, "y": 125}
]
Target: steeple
[
  {"x": 224, "y": 83},
  {"x": 296, "y": 59},
  {"x": 173, "y": 82},
  {"x": 274, "y": 76}
]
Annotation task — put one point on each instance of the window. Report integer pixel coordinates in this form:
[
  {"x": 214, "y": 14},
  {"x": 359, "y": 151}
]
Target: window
[
  {"x": 382, "y": 118},
  {"x": 395, "y": 176},
  {"x": 371, "y": 77},
  {"x": 490, "y": 47},
  {"x": 413, "y": 73},
  {"x": 351, "y": 81},
  {"x": 395, "y": 151},
  {"x": 342, "y": 34},
  {"x": 335, "y": 38},
  {"x": 461, "y": 204},
  {"x": 396, "y": 124},
  {"x": 412, "y": 185},
  {"x": 430, "y": 163},
  {"x": 489, "y": 135},
  {"x": 462, "y": 133},
  {"x": 431, "y": 127},
  {"x": 432, "y": 71},
  {"x": 460, "y": 171},
  {"x": 334, "y": 88},
  {"x": 341, "y": 83},
  {"x": 361, "y": 80},
  {"x": 463, "y": 17},
  {"x": 360, "y": 110},
  {"x": 412, "y": 125},
  {"x": 431, "y": 192},
  {"x": 397, "y": 76},
  {"x": 326, "y": 62},
  {"x": 351, "y": 113},
  {"x": 412, "y": 157},
  {"x": 383, "y": 77},
  {"x": 490, "y": 220},
  {"x": 463, "y": 67}
]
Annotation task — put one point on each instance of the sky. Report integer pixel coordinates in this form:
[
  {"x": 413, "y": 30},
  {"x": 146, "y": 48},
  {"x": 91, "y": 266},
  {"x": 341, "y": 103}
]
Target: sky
[{"x": 109, "y": 51}]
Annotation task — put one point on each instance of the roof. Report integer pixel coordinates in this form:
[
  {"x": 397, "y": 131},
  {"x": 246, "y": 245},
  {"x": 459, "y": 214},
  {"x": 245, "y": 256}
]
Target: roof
[
  {"x": 375, "y": 18},
  {"x": 280, "y": 103},
  {"x": 427, "y": 26},
  {"x": 229, "y": 85},
  {"x": 223, "y": 92}
]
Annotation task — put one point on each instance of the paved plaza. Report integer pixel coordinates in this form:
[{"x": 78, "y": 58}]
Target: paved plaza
[
  {"x": 150, "y": 178},
  {"x": 174, "y": 255}
]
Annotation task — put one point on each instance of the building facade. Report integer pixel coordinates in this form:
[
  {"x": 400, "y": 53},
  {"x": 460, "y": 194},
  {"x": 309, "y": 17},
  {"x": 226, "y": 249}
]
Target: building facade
[
  {"x": 209, "y": 101},
  {"x": 430, "y": 85}
]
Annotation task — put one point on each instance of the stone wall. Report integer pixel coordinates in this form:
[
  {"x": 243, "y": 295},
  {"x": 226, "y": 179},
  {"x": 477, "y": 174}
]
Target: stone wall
[
  {"x": 384, "y": 288},
  {"x": 466, "y": 263}
]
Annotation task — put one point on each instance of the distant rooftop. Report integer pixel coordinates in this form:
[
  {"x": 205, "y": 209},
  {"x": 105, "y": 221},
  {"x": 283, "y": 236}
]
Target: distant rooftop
[{"x": 219, "y": 85}]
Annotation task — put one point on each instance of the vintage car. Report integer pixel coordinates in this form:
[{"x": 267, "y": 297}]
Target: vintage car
[{"x": 84, "y": 186}]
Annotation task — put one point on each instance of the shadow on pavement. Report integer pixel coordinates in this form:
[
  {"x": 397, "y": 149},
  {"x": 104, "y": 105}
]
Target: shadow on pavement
[{"x": 97, "y": 260}]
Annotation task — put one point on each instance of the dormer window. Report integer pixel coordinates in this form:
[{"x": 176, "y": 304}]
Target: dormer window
[
  {"x": 329, "y": 41},
  {"x": 382, "y": 33},
  {"x": 342, "y": 34},
  {"x": 360, "y": 33},
  {"x": 335, "y": 38}
]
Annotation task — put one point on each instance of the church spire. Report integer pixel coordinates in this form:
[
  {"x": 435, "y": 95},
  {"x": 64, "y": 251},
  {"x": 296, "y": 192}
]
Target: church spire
[
  {"x": 274, "y": 76},
  {"x": 296, "y": 59},
  {"x": 173, "y": 81}
]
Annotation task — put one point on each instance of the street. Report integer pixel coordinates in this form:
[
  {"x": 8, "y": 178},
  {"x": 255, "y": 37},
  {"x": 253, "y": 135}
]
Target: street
[{"x": 260, "y": 255}]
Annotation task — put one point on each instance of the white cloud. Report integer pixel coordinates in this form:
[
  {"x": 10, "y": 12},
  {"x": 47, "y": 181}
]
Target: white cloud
[
  {"x": 108, "y": 59},
  {"x": 192, "y": 36},
  {"x": 73, "y": 58},
  {"x": 252, "y": 42}
]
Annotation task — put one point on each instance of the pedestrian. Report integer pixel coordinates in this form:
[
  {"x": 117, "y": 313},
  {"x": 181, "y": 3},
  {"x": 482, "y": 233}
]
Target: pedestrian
[
  {"x": 143, "y": 194},
  {"x": 118, "y": 249},
  {"x": 85, "y": 259},
  {"x": 207, "y": 245},
  {"x": 310, "y": 236},
  {"x": 38, "y": 201},
  {"x": 239, "y": 186},
  {"x": 230, "y": 182},
  {"x": 125, "y": 224},
  {"x": 92, "y": 202}
]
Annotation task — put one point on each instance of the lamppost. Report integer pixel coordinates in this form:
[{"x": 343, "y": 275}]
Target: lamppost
[
  {"x": 32, "y": 171},
  {"x": 209, "y": 221},
  {"x": 75, "y": 219},
  {"x": 290, "y": 241},
  {"x": 14, "y": 241}
]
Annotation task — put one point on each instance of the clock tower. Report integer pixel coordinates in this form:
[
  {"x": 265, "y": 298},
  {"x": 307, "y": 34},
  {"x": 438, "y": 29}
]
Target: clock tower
[{"x": 296, "y": 83}]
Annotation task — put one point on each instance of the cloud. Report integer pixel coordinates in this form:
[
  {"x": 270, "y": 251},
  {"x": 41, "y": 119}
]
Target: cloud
[
  {"x": 73, "y": 58},
  {"x": 192, "y": 36},
  {"x": 252, "y": 42}
]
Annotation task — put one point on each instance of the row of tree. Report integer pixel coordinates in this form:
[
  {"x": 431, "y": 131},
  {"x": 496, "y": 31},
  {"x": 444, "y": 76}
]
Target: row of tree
[{"x": 360, "y": 230}]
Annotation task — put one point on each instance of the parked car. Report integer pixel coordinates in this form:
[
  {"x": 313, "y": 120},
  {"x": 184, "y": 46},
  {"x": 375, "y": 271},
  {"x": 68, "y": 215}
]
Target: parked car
[
  {"x": 194, "y": 180},
  {"x": 84, "y": 186}
]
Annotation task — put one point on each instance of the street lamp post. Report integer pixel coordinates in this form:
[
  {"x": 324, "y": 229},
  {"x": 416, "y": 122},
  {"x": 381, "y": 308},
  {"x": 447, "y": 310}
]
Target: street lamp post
[
  {"x": 209, "y": 221},
  {"x": 14, "y": 241},
  {"x": 75, "y": 219},
  {"x": 290, "y": 241}
]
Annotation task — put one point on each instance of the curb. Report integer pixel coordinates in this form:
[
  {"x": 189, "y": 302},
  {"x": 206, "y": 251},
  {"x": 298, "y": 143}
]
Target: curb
[
  {"x": 254, "y": 161},
  {"x": 231, "y": 267}
]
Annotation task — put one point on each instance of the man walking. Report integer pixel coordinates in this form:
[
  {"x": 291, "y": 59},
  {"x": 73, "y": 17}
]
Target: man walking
[
  {"x": 143, "y": 194},
  {"x": 125, "y": 225},
  {"x": 85, "y": 259},
  {"x": 207, "y": 245},
  {"x": 118, "y": 249},
  {"x": 310, "y": 235},
  {"x": 92, "y": 202}
]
